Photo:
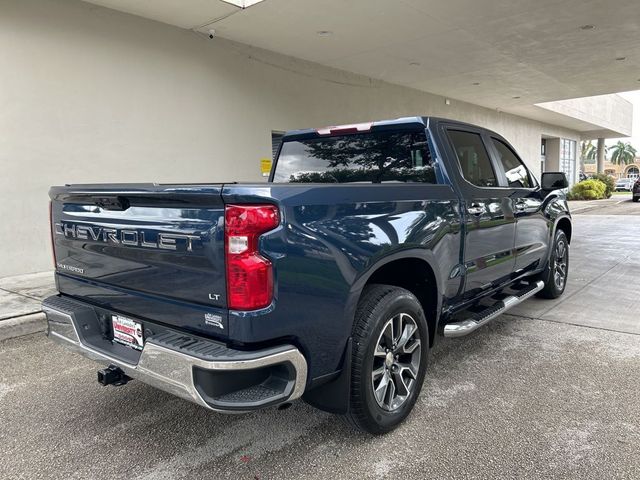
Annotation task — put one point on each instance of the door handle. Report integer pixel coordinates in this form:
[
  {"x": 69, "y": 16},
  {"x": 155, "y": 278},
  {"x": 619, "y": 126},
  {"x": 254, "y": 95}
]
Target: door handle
[
  {"x": 476, "y": 208},
  {"x": 530, "y": 205},
  {"x": 520, "y": 205}
]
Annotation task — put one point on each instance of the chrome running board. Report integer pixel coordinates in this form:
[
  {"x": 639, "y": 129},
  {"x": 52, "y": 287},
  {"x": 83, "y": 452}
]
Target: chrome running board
[{"x": 465, "y": 327}]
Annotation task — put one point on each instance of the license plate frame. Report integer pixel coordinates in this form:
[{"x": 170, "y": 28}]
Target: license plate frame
[{"x": 127, "y": 331}]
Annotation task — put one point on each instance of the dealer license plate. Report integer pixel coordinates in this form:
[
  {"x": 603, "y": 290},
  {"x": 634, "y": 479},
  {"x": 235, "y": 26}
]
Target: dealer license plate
[{"x": 127, "y": 332}]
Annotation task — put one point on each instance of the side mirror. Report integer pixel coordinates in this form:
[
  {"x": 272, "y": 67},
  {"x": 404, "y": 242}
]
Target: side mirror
[{"x": 554, "y": 181}]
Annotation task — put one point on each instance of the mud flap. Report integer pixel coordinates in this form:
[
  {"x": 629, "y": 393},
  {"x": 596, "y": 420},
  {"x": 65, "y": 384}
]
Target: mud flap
[{"x": 333, "y": 396}]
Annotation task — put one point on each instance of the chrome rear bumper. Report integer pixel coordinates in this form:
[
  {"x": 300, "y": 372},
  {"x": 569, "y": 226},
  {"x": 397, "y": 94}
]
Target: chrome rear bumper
[{"x": 175, "y": 370}]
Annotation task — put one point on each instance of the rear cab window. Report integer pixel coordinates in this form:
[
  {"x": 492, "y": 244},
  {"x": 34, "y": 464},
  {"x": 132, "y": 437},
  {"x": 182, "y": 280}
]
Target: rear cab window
[{"x": 373, "y": 157}]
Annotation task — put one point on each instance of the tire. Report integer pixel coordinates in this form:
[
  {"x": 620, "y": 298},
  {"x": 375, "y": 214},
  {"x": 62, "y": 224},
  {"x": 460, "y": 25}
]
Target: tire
[
  {"x": 383, "y": 310},
  {"x": 558, "y": 266},
  {"x": 635, "y": 199}
]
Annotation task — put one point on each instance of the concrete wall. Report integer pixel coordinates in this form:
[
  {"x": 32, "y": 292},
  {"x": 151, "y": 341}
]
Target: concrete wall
[{"x": 88, "y": 94}]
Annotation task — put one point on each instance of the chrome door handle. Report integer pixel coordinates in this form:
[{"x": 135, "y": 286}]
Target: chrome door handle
[
  {"x": 476, "y": 208},
  {"x": 528, "y": 205},
  {"x": 520, "y": 206}
]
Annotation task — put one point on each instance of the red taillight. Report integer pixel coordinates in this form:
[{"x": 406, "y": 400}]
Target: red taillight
[
  {"x": 51, "y": 233},
  {"x": 249, "y": 275}
]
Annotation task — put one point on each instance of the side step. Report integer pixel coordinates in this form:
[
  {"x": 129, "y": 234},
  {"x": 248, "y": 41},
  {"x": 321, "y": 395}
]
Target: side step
[{"x": 465, "y": 327}]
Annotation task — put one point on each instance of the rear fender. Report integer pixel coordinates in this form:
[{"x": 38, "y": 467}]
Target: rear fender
[
  {"x": 332, "y": 393},
  {"x": 360, "y": 282}
]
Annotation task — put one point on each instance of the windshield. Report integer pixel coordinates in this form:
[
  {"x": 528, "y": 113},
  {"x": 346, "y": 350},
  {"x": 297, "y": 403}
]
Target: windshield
[{"x": 373, "y": 157}]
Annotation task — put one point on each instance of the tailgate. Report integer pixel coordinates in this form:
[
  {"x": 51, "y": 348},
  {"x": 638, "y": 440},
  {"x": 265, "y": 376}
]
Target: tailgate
[{"x": 143, "y": 240}]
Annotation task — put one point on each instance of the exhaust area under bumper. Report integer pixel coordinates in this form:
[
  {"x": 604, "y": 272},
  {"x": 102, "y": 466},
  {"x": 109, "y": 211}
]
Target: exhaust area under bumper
[{"x": 200, "y": 370}]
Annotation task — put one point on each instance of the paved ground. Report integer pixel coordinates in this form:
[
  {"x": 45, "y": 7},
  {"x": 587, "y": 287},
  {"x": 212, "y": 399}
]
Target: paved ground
[
  {"x": 20, "y": 298},
  {"x": 21, "y": 295},
  {"x": 618, "y": 204},
  {"x": 550, "y": 392}
]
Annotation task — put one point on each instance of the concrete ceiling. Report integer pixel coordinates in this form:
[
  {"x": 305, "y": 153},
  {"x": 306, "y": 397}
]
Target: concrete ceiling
[
  {"x": 599, "y": 128},
  {"x": 486, "y": 52}
]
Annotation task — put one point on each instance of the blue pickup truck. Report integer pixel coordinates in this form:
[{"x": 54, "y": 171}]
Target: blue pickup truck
[{"x": 329, "y": 283}]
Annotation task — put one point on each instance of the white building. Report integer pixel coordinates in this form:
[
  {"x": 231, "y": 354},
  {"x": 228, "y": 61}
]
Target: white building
[{"x": 136, "y": 91}]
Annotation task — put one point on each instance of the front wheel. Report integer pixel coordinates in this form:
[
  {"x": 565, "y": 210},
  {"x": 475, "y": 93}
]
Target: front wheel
[
  {"x": 556, "y": 273},
  {"x": 389, "y": 362}
]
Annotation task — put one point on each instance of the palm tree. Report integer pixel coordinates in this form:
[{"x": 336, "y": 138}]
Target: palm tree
[
  {"x": 623, "y": 153},
  {"x": 588, "y": 151}
]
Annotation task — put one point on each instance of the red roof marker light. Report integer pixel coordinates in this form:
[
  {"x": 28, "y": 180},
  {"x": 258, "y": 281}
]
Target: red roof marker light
[{"x": 342, "y": 129}]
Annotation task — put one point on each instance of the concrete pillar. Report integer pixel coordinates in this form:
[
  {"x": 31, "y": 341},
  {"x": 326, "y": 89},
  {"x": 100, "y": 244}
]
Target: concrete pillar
[{"x": 600, "y": 155}]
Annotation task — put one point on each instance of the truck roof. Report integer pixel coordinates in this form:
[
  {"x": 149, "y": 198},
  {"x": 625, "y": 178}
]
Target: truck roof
[{"x": 363, "y": 127}]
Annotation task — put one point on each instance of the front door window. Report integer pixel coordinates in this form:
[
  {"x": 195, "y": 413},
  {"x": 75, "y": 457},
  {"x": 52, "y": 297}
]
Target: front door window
[{"x": 517, "y": 174}]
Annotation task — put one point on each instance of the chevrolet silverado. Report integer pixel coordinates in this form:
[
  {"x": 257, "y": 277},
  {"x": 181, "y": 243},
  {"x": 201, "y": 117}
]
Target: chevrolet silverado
[{"x": 328, "y": 283}]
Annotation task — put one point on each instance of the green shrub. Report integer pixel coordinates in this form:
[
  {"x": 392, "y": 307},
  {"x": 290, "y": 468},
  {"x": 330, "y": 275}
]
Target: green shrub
[
  {"x": 609, "y": 182},
  {"x": 588, "y": 190}
]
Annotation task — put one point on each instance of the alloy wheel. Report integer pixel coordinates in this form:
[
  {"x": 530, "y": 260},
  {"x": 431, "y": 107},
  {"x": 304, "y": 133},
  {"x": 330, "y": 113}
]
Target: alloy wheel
[
  {"x": 396, "y": 362},
  {"x": 562, "y": 257}
]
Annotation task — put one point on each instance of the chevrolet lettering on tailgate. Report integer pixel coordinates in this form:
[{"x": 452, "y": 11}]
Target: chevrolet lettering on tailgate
[{"x": 135, "y": 238}]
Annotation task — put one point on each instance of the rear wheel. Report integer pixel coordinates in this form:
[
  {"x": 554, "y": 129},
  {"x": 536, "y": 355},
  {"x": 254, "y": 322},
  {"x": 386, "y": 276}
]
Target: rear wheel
[
  {"x": 635, "y": 199},
  {"x": 557, "y": 271},
  {"x": 390, "y": 348}
]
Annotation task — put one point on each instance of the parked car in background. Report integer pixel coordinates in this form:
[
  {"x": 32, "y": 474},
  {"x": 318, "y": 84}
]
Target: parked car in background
[
  {"x": 636, "y": 190},
  {"x": 624, "y": 185}
]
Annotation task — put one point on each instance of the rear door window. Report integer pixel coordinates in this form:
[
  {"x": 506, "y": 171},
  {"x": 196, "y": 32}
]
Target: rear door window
[
  {"x": 372, "y": 157},
  {"x": 473, "y": 158}
]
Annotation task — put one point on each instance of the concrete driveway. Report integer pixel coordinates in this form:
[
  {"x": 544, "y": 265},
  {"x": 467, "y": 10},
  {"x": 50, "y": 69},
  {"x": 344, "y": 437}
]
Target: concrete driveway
[{"x": 551, "y": 391}]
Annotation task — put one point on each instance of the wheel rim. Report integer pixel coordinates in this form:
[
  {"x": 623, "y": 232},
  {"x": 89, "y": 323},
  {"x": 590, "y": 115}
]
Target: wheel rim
[
  {"x": 562, "y": 260},
  {"x": 396, "y": 361}
]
